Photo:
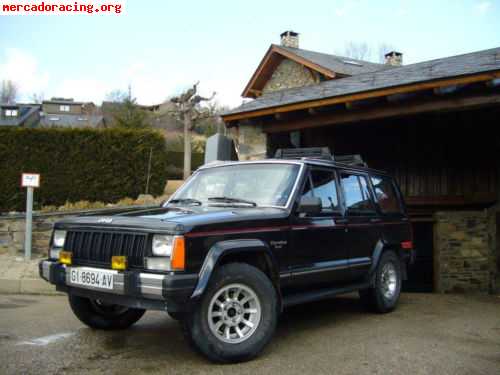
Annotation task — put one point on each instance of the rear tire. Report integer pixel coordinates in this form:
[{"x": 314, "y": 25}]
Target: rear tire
[
  {"x": 384, "y": 296},
  {"x": 99, "y": 315},
  {"x": 237, "y": 315}
]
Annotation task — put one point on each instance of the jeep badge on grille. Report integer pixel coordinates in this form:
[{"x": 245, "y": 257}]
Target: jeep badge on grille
[{"x": 105, "y": 220}]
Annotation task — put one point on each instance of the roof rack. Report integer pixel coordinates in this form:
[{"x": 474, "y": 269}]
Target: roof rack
[
  {"x": 321, "y": 153},
  {"x": 305, "y": 152}
]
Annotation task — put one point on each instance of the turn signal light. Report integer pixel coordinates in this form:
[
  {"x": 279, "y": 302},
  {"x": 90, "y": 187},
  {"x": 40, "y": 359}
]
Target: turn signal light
[
  {"x": 119, "y": 262},
  {"x": 178, "y": 260},
  {"x": 65, "y": 257}
]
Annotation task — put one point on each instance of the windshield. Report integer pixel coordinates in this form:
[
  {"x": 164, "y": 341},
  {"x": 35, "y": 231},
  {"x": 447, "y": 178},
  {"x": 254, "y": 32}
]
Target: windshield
[{"x": 241, "y": 184}]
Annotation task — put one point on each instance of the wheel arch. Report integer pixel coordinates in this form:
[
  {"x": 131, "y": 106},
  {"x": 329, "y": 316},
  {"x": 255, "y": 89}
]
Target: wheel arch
[
  {"x": 381, "y": 247},
  {"x": 251, "y": 251}
]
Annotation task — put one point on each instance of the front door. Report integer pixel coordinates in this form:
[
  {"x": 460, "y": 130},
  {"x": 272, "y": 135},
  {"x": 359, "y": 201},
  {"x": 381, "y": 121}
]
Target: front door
[
  {"x": 363, "y": 222},
  {"x": 319, "y": 255}
]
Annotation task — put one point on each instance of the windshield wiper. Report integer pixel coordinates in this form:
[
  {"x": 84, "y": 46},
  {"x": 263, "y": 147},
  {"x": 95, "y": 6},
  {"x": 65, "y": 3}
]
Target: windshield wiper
[
  {"x": 232, "y": 200},
  {"x": 187, "y": 201}
]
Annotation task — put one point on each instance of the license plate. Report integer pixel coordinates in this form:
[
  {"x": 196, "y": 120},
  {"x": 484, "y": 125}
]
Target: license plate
[{"x": 93, "y": 278}]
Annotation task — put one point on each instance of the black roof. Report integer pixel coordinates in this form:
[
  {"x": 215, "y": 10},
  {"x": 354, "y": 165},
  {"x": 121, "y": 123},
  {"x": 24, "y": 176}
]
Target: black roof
[
  {"x": 338, "y": 64},
  {"x": 455, "y": 66}
]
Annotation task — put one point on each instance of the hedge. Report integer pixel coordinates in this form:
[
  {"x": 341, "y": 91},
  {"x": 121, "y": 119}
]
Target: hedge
[
  {"x": 79, "y": 164},
  {"x": 175, "y": 161}
]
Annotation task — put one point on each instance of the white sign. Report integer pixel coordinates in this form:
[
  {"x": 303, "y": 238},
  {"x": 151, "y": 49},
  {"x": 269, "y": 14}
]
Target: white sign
[{"x": 30, "y": 180}]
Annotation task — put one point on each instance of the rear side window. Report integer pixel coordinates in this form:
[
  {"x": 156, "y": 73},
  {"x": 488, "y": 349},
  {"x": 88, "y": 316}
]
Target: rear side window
[
  {"x": 385, "y": 193},
  {"x": 357, "y": 195}
]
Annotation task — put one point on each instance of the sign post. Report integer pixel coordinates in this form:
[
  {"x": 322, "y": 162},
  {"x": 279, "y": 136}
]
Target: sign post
[{"x": 29, "y": 181}]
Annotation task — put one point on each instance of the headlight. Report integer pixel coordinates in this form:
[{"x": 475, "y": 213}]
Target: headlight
[
  {"x": 59, "y": 238},
  {"x": 169, "y": 253},
  {"x": 162, "y": 245}
]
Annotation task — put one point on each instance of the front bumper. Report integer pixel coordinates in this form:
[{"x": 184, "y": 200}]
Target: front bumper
[{"x": 131, "y": 288}]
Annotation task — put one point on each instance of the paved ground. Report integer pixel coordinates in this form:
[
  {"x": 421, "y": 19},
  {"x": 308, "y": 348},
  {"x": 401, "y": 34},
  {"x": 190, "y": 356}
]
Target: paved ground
[
  {"x": 18, "y": 275},
  {"x": 428, "y": 334}
]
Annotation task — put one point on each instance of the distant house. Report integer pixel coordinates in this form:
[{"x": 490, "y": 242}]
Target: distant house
[
  {"x": 25, "y": 115},
  {"x": 63, "y": 112},
  {"x": 159, "y": 116}
]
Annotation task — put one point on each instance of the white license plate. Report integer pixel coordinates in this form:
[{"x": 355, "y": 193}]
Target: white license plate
[{"x": 90, "y": 277}]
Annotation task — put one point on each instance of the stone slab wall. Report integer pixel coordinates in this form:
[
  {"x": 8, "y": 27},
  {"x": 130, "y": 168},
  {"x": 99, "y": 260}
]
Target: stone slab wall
[
  {"x": 290, "y": 74},
  {"x": 12, "y": 229},
  {"x": 12, "y": 232},
  {"x": 251, "y": 143},
  {"x": 462, "y": 254}
]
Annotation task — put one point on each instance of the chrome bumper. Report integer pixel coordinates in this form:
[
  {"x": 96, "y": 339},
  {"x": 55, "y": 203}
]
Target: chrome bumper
[{"x": 150, "y": 286}]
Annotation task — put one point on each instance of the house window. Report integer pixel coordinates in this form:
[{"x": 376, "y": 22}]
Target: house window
[
  {"x": 11, "y": 113},
  {"x": 64, "y": 108}
]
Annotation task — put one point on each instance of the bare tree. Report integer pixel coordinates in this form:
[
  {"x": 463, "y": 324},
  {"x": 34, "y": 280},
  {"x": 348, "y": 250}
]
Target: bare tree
[
  {"x": 117, "y": 96},
  {"x": 189, "y": 110},
  {"x": 37, "y": 98},
  {"x": 363, "y": 51},
  {"x": 358, "y": 50},
  {"x": 8, "y": 92}
]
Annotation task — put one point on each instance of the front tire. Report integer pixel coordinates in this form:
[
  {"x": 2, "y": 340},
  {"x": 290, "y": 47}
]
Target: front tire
[
  {"x": 384, "y": 296},
  {"x": 237, "y": 315},
  {"x": 99, "y": 315}
]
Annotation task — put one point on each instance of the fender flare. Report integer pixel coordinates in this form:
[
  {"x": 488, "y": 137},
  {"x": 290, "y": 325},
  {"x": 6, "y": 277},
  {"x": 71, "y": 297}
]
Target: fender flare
[
  {"x": 223, "y": 248},
  {"x": 377, "y": 253}
]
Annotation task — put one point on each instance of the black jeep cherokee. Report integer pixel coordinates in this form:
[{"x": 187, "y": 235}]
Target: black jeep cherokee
[{"x": 234, "y": 246}]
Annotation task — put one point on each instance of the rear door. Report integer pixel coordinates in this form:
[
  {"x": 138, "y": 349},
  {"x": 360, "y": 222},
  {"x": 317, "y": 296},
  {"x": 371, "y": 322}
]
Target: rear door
[
  {"x": 319, "y": 256},
  {"x": 363, "y": 222},
  {"x": 395, "y": 224}
]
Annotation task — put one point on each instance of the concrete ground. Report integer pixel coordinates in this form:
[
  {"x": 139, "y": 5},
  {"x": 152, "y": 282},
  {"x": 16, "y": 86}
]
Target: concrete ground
[
  {"x": 18, "y": 275},
  {"x": 428, "y": 334}
]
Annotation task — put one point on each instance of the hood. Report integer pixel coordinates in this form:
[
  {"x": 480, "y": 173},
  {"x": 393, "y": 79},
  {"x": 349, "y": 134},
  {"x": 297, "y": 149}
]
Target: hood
[{"x": 176, "y": 219}]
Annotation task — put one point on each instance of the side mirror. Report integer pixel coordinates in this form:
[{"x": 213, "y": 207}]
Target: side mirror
[{"x": 310, "y": 205}]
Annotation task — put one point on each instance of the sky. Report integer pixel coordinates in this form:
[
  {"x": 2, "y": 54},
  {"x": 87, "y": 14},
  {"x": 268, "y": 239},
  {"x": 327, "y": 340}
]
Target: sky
[{"x": 160, "y": 47}]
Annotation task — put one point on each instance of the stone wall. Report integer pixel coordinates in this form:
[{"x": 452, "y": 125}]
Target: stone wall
[
  {"x": 290, "y": 74},
  {"x": 251, "y": 143},
  {"x": 462, "y": 254},
  {"x": 12, "y": 229},
  {"x": 12, "y": 232}
]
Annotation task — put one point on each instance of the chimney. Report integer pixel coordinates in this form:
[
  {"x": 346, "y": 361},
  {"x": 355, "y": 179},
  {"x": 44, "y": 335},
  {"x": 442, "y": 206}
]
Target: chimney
[
  {"x": 394, "y": 58},
  {"x": 290, "y": 39}
]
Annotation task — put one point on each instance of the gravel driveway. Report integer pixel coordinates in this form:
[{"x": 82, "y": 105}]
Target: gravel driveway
[{"x": 428, "y": 334}]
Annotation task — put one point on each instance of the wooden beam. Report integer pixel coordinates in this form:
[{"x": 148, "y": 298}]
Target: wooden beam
[
  {"x": 271, "y": 60},
  {"x": 481, "y": 199},
  {"x": 379, "y": 112},
  {"x": 493, "y": 83},
  {"x": 364, "y": 95},
  {"x": 447, "y": 89},
  {"x": 292, "y": 56}
]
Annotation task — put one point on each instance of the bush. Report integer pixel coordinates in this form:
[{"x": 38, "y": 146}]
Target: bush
[
  {"x": 175, "y": 161},
  {"x": 79, "y": 164}
]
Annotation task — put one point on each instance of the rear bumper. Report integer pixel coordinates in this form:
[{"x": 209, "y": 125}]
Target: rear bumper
[{"x": 137, "y": 289}]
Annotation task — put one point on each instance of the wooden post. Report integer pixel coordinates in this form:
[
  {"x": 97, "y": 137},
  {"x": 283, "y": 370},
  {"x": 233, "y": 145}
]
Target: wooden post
[{"x": 187, "y": 145}]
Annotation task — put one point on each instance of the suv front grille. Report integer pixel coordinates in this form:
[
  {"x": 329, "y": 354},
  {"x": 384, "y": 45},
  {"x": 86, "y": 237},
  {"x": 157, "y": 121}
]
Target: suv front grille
[{"x": 95, "y": 248}]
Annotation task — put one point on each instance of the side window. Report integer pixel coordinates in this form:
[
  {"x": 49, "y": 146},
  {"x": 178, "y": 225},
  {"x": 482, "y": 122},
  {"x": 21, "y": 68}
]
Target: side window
[
  {"x": 308, "y": 192},
  {"x": 357, "y": 195},
  {"x": 324, "y": 187},
  {"x": 386, "y": 195}
]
